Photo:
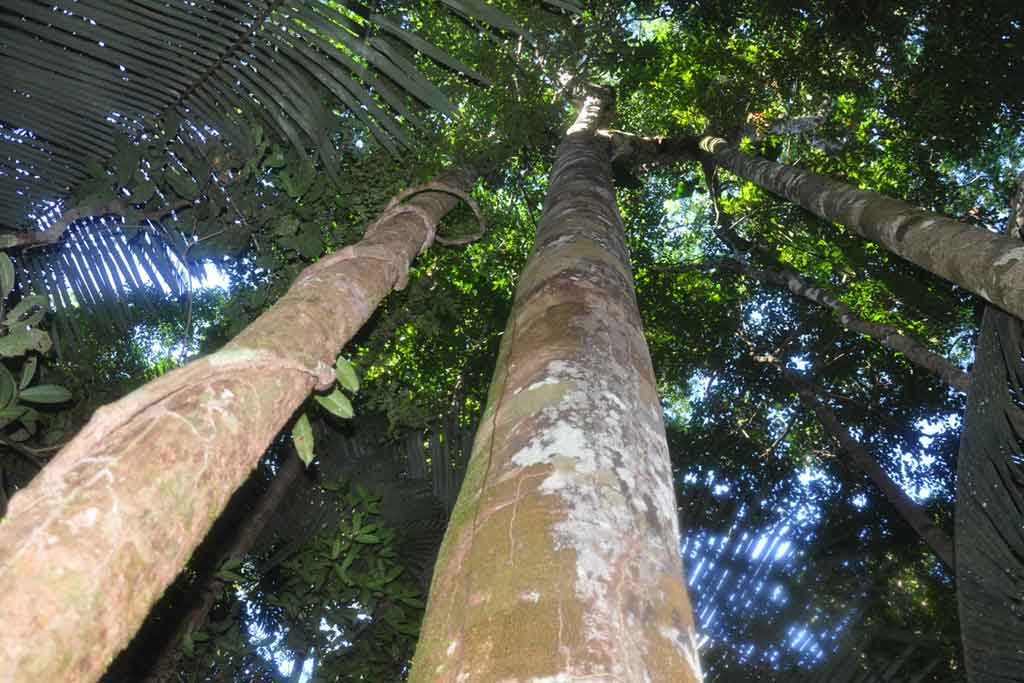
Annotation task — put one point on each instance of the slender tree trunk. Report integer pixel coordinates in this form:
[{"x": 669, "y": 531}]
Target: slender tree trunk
[
  {"x": 912, "y": 513},
  {"x": 88, "y": 547},
  {"x": 886, "y": 335},
  {"x": 165, "y": 667},
  {"x": 561, "y": 561},
  {"x": 990, "y": 497},
  {"x": 987, "y": 264}
]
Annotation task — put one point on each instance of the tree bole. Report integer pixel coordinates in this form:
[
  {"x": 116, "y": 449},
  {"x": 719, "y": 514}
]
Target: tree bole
[
  {"x": 561, "y": 561},
  {"x": 982, "y": 262},
  {"x": 89, "y": 546}
]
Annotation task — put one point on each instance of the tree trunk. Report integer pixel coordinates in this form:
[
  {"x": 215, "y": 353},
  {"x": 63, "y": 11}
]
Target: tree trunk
[
  {"x": 886, "y": 335},
  {"x": 987, "y": 264},
  {"x": 912, "y": 513},
  {"x": 990, "y": 497},
  {"x": 561, "y": 561},
  {"x": 88, "y": 547},
  {"x": 165, "y": 667}
]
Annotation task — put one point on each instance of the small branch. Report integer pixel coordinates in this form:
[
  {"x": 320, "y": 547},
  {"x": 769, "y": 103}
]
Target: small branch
[
  {"x": 115, "y": 207},
  {"x": 25, "y": 452}
]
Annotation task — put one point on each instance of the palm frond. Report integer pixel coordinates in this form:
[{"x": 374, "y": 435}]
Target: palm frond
[
  {"x": 88, "y": 83},
  {"x": 990, "y": 504}
]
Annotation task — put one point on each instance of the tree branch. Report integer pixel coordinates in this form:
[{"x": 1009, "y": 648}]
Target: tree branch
[
  {"x": 115, "y": 207},
  {"x": 886, "y": 335}
]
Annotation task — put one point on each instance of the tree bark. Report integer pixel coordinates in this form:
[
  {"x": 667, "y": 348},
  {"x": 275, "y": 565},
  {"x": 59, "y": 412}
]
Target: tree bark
[
  {"x": 987, "y": 264},
  {"x": 88, "y": 547},
  {"x": 915, "y": 515},
  {"x": 561, "y": 561}
]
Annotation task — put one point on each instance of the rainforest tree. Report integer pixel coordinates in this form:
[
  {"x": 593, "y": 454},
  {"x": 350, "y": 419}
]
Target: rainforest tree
[{"x": 258, "y": 137}]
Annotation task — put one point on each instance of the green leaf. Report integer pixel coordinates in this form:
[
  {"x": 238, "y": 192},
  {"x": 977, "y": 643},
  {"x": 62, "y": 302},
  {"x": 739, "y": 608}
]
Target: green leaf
[
  {"x": 229, "y": 576},
  {"x": 302, "y": 436},
  {"x": 19, "y": 342},
  {"x": 368, "y": 538},
  {"x": 28, "y": 370},
  {"x": 28, "y": 312},
  {"x": 346, "y": 374},
  {"x": 275, "y": 159},
  {"x": 336, "y": 403},
  {"x": 8, "y": 388},
  {"x": 46, "y": 393},
  {"x": 6, "y": 274},
  {"x": 142, "y": 193},
  {"x": 9, "y": 415},
  {"x": 349, "y": 558},
  {"x": 182, "y": 184},
  {"x": 411, "y": 601}
]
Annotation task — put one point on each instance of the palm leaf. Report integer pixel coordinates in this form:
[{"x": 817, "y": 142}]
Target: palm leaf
[
  {"x": 990, "y": 504},
  {"x": 83, "y": 76}
]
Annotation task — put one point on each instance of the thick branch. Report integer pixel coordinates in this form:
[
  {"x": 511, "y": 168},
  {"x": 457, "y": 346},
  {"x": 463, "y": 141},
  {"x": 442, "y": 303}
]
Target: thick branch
[
  {"x": 115, "y": 207},
  {"x": 987, "y": 264},
  {"x": 636, "y": 150}
]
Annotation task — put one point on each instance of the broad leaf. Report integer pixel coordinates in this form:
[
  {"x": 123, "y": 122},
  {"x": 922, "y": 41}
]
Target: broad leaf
[
  {"x": 336, "y": 403},
  {"x": 6, "y": 275},
  {"x": 46, "y": 393},
  {"x": 302, "y": 437},
  {"x": 346, "y": 374}
]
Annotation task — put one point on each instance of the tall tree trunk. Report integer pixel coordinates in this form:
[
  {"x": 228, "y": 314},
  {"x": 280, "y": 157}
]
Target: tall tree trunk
[
  {"x": 561, "y": 561},
  {"x": 990, "y": 497},
  {"x": 88, "y": 547},
  {"x": 987, "y": 264}
]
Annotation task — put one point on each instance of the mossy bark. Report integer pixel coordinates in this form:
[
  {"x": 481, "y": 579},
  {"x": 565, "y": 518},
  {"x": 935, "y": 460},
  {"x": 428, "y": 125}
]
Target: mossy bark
[
  {"x": 562, "y": 561},
  {"x": 982, "y": 262},
  {"x": 95, "y": 539}
]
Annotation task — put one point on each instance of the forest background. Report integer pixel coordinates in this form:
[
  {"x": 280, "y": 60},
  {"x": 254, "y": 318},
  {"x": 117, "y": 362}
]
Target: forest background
[{"x": 798, "y": 564}]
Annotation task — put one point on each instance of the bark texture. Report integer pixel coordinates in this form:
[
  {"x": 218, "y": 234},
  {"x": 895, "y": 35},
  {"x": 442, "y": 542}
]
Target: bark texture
[
  {"x": 88, "y": 547},
  {"x": 987, "y": 264},
  {"x": 561, "y": 561}
]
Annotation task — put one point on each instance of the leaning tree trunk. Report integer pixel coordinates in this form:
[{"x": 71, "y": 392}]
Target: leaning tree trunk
[
  {"x": 990, "y": 498},
  {"x": 164, "y": 667},
  {"x": 88, "y": 547},
  {"x": 912, "y": 513},
  {"x": 987, "y": 264},
  {"x": 561, "y": 561}
]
